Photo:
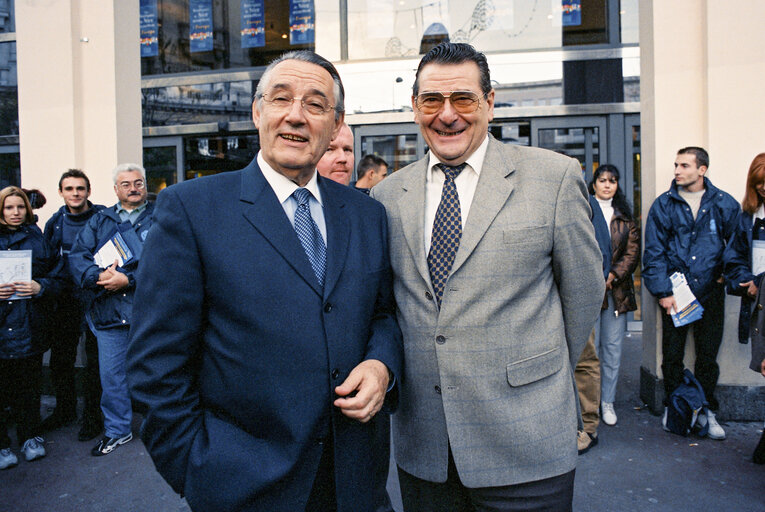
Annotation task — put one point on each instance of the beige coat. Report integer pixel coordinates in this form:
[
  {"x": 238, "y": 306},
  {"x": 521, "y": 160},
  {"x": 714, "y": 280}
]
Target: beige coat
[{"x": 491, "y": 373}]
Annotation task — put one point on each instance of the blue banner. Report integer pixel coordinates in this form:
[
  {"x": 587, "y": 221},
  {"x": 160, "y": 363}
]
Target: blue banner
[
  {"x": 572, "y": 13},
  {"x": 149, "y": 40},
  {"x": 302, "y": 28},
  {"x": 253, "y": 24},
  {"x": 200, "y": 26}
]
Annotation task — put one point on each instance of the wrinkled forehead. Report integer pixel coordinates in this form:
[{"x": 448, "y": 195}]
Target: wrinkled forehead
[{"x": 300, "y": 78}]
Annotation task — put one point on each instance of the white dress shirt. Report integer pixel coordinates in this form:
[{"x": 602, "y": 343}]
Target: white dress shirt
[
  {"x": 466, "y": 183},
  {"x": 283, "y": 187}
]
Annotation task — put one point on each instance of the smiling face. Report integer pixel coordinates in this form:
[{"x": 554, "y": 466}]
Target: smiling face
[
  {"x": 14, "y": 211},
  {"x": 130, "y": 189},
  {"x": 75, "y": 193},
  {"x": 453, "y": 136},
  {"x": 292, "y": 140},
  {"x": 338, "y": 162}
]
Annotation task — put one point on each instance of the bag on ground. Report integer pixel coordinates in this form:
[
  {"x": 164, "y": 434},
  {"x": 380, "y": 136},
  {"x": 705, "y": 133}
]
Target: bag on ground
[{"x": 685, "y": 404}]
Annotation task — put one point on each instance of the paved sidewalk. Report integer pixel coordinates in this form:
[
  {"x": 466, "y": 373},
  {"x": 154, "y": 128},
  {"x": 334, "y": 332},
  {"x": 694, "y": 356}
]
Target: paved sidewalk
[{"x": 635, "y": 467}]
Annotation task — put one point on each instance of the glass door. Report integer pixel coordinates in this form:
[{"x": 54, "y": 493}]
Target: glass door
[
  {"x": 163, "y": 161},
  {"x": 583, "y": 138},
  {"x": 398, "y": 144}
]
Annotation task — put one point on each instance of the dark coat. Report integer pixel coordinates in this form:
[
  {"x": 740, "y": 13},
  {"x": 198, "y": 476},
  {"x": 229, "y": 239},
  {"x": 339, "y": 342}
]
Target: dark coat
[
  {"x": 675, "y": 242},
  {"x": 625, "y": 247},
  {"x": 107, "y": 309},
  {"x": 69, "y": 309},
  {"x": 24, "y": 323},
  {"x": 235, "y": 349}
]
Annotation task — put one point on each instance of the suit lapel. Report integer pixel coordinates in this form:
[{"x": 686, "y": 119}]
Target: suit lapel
[
  {"x": 261, "y": 208},
  {"x": 491, "y": 194},
  {"x": 412, "y": 207},
  {"x": 338, "y": 235}
]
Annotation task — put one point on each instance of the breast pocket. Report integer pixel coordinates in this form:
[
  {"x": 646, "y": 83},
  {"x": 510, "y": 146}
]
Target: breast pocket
[
  {"x": 534, "y": 235},
  {"x": 534, "y": 368}
]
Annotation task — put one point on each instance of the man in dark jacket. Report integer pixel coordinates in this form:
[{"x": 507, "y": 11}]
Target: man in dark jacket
[
  {"x": 686, "y": 231},
  {"x": 109, "y": 280},
  {"x": 60, "y": 232}
]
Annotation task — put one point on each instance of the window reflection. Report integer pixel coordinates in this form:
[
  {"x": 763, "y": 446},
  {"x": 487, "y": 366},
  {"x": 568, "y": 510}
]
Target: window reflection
[
  {"x": 9, "y": 92},
  {"x": 201, "y": 103},
  {"x": 212, "y": 155}
]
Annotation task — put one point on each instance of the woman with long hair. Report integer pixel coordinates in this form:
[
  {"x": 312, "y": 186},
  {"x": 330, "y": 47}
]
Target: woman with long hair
[
  {"x": 619, "y": 240},
  {"x": 23, "y": 313}
]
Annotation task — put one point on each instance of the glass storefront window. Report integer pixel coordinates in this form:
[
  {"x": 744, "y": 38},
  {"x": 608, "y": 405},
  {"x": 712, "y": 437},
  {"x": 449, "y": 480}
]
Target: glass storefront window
[
  {"x": 7, "y": 16},
  {"x": 215, "y": 154},
  {"x": 628, "y": 16},
  {"x": 398, "y": 150},
  {"x": 512, "y": 132},
  {"x": 10, "y": 168},
  {"x": 161, "y": 164},
  {"x": 201, "y": 103},
  {"x": 9, "y": 92},
  {"x": 237, "y": 33}
]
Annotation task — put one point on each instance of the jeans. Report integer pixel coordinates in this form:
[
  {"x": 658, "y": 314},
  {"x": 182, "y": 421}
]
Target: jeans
[
  {"x": 115, "y": 397},
  {"x": 609, "y": 335},
  {"x": 707, "y": 336}
]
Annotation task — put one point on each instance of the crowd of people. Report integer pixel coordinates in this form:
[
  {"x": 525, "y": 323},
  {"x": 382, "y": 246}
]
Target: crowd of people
[{"x": 277, "y": 315}]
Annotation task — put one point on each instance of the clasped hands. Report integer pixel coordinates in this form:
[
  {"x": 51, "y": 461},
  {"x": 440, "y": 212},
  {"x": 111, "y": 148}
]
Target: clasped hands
[
  {"x": 21, "y": 288},
  {"x": 112, "y": 279},
  {"x": 369, "y": 380}
]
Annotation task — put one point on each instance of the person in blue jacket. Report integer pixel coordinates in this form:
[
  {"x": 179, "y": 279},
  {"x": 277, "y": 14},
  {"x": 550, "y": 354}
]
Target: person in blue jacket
[
  {"x": 110, "y": 286},
  {"x": 742, "y": 274},
  {"x": 24, "y": 310},
  {"x": 60, "y": 232},
  {"x": 687, "y": 230}
]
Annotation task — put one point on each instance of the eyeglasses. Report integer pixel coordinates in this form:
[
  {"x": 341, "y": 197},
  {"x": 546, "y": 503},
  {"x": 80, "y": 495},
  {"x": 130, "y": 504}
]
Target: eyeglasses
[
  {"x": 464, "y": 102},
  {"x": 313, "y": 104},
  {"x": 127, "y": 185}
]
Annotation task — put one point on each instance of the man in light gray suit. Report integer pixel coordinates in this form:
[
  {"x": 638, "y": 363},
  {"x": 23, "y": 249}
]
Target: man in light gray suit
[{"x": 498, "y": 282}]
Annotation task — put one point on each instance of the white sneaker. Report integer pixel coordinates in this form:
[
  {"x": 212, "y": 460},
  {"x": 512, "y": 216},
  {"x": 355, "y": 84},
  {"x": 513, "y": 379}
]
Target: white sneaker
[
  {"x": 33, "y": 448},
  {"x": 607, "y": 413},
  {"x": 715, "y": 430},
  {"x": 664, "y": 420},
  {"x": 7, "y": 458}
]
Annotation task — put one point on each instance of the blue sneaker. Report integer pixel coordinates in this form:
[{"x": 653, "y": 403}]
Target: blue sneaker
[
  {"x": 33, "y": 448},
  {"x": 108, "y": 444}
]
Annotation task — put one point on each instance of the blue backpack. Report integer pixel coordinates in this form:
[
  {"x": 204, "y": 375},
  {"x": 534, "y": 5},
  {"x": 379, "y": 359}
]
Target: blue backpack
[{"x": 685, "y": 404}]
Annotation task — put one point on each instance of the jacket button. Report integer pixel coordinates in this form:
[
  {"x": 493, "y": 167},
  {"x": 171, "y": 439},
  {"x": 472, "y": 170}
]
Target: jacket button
[
  {"x": 428, "y": 295},
  {"x": 438, "y": 389},
  {"x": 335, "y": 373},
  {"x": 327, "y": 307},
  {"x": 440, "y": 339},
  {"x": 124, "y": 321},
  {"x": 759, "y": 307},
  {"x": 756, "y": 331}
]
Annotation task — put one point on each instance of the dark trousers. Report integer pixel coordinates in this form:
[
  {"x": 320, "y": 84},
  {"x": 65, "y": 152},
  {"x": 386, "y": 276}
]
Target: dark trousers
[
  {"x": 323, "y": 497},
  {"x": 62, "y": 358},
  {"x": 554, "y": 494},
  {"x": 20, "y": 398},
  {"x": 707, "y": 335}
]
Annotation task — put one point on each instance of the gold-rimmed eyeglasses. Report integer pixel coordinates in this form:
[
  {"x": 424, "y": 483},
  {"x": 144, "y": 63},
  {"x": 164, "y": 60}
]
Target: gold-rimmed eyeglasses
[
  {"x": 313, "y": 104},
  {"x": 127, "y": 185},
  {"x": 464, "y": 102}
]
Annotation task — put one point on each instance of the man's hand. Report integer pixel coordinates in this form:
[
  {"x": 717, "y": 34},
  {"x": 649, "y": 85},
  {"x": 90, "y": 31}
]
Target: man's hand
[
  {"x": 6, "y": 291},
  {"x": 111, "y": 279},
  {"x": 668, "y": 303},
  {"x": 610, "y": 280},
  {"x": 27, "y": 288},
  {"x": 751, "y": 288},
  {"x": 369, "y": 380}
]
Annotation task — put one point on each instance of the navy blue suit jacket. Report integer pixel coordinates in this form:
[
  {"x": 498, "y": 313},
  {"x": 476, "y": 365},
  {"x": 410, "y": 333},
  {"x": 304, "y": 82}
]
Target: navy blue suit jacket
[{"x": 235, "y": 349}]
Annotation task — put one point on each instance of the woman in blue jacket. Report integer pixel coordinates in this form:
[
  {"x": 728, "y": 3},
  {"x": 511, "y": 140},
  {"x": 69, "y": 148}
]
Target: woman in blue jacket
[
  {"x": 743, "y": 270},
  {"x": 23, "y": 312}
]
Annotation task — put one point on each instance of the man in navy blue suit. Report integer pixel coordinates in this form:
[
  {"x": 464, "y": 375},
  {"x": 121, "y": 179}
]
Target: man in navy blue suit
[{"x": 264, "y": 342}]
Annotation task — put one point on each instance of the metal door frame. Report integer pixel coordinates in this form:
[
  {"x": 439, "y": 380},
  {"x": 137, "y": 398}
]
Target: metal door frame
[
  {"x": 396, "y": 129},
  {"x": 175, "y": 140}
]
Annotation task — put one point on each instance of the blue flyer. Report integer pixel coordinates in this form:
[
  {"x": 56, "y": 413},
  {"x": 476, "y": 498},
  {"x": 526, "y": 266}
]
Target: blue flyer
[
  {"x": 302, "y": 22},
  {"x": 200, "y": 26},
  {"x": 253, "y": 24},
  {"x": 149, "y": 39}
]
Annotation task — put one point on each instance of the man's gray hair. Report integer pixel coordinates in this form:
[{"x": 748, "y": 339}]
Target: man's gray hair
[
  {"x": 127, "y": 168},
  {"x": 312, "y": 58}
]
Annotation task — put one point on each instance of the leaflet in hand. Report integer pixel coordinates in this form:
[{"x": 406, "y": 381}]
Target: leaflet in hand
[
  {"x": 688, "y": 308},
  {"x": 758, "y": 257},
  {"x": 115, "y": 248},
  {"x": 16, "y": 266}
]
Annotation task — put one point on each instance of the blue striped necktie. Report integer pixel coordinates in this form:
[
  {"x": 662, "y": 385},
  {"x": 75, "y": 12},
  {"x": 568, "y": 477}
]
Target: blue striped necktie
[
  {"x": 309, "y": 234},
  {"x": 447, "y": 231}
]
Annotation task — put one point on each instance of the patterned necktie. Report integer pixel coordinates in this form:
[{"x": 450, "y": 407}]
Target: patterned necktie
[
  {"x": 309, "y": 234},
  {"x": 447, "y": 231}
]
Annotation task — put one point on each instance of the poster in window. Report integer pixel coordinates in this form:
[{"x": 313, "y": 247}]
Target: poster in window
[
  {"x": 253, "y": 24},
  {"x": 149, "y": 40},
  {"x": 572, "y": 13},
  {"x": 302, "y": 28},
  {"x": 200, "y": 26}
]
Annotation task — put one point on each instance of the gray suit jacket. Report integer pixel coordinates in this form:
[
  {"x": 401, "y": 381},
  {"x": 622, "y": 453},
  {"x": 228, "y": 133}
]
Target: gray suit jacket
[{"x": 491, "y": 374}]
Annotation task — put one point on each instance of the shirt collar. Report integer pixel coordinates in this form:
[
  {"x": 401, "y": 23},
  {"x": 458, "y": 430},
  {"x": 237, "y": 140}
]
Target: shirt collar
[
  {"x": 134, "y": 211},
  {"x": 474, "y": 161},
  {"x": 282, "y": 186}
]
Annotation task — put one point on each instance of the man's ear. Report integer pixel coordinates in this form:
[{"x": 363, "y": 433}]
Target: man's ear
[
  {"x": 414, "y": 109},
  {"x": 256, "y": 114},
  {"x": 339, "y": 121}
]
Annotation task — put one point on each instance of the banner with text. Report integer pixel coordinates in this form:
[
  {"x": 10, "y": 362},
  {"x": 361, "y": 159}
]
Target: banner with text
[
  {"x": 149, "y": 39},
  {"x": 302, "y": 16},
  {"x": 253, "y": 24},
  {"x": 200, "y": 26}
]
